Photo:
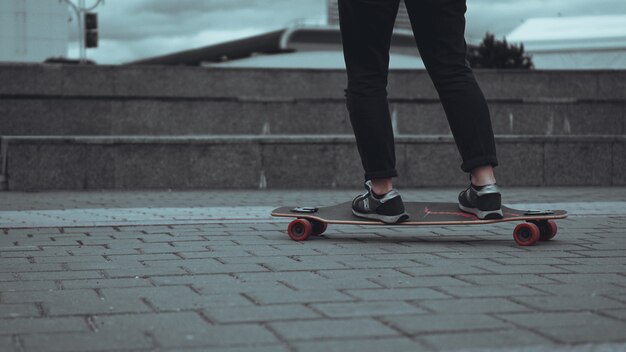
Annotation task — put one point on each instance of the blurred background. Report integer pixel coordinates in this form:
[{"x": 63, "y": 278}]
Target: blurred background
[{"x": 556, "y": 33}]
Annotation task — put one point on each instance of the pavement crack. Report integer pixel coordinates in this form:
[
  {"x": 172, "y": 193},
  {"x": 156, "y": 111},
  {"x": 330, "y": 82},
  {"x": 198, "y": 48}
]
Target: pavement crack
[
  {"x": 150, "y": 305},
  {"x": 204, "y": 317},
  {"x": 41, "y": 309},
  {"x": 91, "y": 323},
  {"x": 250, "y": 298},
  {"x": 17, "y": 342}
]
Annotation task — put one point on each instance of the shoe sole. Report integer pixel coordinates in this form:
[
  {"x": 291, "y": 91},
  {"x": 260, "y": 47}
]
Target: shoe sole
[
  {"x": 387, "y": 219},
  {"x": 483, "y": 214}
]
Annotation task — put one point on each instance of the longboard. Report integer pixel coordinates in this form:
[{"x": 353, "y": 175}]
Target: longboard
[{"x": 534, "y": 225}]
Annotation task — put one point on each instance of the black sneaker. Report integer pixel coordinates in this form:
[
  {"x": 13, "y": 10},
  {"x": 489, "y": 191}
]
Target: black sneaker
[
  {"x": 387, "y": 208},
  {"x": 483, "y": 201}
]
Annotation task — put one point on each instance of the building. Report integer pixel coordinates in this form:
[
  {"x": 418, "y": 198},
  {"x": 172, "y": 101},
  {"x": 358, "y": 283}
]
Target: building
[
  {"x": 402, "y": 20},
  {"x": 299, "y": 46},
  {"x": 564, "y": 43},
  {"x": 33, "y": 30}
]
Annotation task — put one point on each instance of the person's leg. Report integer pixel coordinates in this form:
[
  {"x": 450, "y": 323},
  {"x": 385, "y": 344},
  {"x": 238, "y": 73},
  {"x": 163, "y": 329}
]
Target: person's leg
[
  {"x": 439, "y": 29},
  {"x": 366, "y": 29}
]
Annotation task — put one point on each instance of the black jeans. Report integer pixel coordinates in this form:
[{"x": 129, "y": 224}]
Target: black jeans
[{"x": 439, "y": 28}]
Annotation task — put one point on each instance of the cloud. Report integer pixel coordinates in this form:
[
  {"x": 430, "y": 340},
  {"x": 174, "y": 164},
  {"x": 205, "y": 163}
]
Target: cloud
[
  {"x": 133, "y": 29},
  {"x": 502, "y": 16}
]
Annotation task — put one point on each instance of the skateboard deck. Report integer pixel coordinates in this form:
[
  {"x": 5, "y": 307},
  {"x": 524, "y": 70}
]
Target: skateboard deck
[{"x": 535, "y": 224}]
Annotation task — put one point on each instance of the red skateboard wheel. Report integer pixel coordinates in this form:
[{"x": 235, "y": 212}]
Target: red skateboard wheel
[
  {"x": 300, "y": 229},
  {"x": 550, "y": 230},
  {"x": 526, "y": 234}
]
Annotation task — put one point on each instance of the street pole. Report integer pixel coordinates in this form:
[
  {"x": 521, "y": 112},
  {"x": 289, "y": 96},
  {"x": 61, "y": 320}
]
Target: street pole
[{"x": 79, "y": 11}]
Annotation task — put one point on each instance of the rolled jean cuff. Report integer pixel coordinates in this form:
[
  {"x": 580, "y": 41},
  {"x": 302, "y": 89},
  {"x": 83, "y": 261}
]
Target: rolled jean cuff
[
  {"x": 471, "y": 164},
  {"x": 381, "y": 174}
]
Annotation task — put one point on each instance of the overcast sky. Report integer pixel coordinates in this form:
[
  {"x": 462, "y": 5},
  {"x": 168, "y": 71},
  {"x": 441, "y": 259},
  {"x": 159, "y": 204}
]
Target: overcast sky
[{"x": 133, "y": 29}]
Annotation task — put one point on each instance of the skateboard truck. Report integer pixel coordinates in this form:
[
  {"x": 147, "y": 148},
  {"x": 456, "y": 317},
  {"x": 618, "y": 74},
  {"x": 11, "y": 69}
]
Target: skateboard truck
[{"x": 304, "y": 210}]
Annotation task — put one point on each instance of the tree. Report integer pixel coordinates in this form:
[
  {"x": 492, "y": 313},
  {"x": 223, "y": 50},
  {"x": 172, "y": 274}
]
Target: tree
[{"x": 493, "y": 53}]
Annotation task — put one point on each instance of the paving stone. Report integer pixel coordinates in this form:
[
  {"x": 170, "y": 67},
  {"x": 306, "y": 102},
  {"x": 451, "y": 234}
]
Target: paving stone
[
  {"x": 147, "y": 258},
  {"x": 80, "y": 302},
  {"x": 534, "y": 261},
  {"x": 43, "y": 325},
  {"x": 579, "y": 289},
  {"x": 18, "y": 310},
  {"x": 198, "y": 266},
  {"x": 451, "y": 269},
  {"x": 384, "y": 294},
  {"x": 361, "y": 345},
  {"x": 541, "y": 320},
  {"x": 336, "y": 328},
  {"x": 230, "y": 335},
  {"x": 232, "y": 288},
  {"x": 278, "y": 276},
  {"x": 306, "y": 264},
  {"x": 422, "y": 281},
  {"x": 444, "y": 323},
  {"x": 588, "y": 278},
  {"x": 254, "y": 348},
  {"x": 185, "y": 329},
  {"x": 491, "y": 291},
  {"x": 7, "y": 344},
  {"x": 144, "y": 272},
  {"x": 320, "y": 283},
  {"x": 93, "y": 341},
  {"x": 585, "y": 334},
  {"x": 362, "y": 273},
  {"x": 568, "y": 303},
  {"x": 285, "y": 296},
  {"x": 281, "y": 260},
  {"x": 500, "y": 339},
  {"x": 366, "y": 309},
  {"x": 469, "y": 255},
  {"x": 103, "y": 266},
  {"x": 600, "y": 269},
  {"x": 60, "y": 275},
  {"x": 381, "y": 264},
  {"x": 173, "y": 298},
  {"x": 249, "y": 314},
  {"x": 524, "y": 269},
  {"x": 398, "y": 256},
  {"x": 507, "y": 279},
  {"x": 596, "y": 261},
  {"x": 30, "y": 267},
  {"x": 11, "y": 286},
  {"x": 472, "y": 305},
  {"x": 104, "y": 283},
  {"x": 8, "y": 277},
  {"x": 206, "y": 280},
  {"x": 70, "y": 259},
  {"x": 619, "y": 314},
  {"x": 205, "y": 254}
]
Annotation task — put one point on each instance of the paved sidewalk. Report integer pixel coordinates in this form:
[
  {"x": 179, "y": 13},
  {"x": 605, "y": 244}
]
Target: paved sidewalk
[{"x": 238, "y": 283}]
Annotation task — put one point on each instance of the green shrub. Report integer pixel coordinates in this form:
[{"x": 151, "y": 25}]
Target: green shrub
[{"x": 493, "y": 53}]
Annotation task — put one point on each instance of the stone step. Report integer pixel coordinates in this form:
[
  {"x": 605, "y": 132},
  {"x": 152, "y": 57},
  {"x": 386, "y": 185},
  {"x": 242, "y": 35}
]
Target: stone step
[
  {"x": 115, "y": 116},
  {"x": 292, "y": 162},
  {"x": 23, "y": 80}
]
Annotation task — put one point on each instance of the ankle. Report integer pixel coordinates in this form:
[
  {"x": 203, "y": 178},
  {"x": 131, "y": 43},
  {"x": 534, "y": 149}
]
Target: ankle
[
  {"x": 380, "y": 186},
  {"x": 482, "y": 176}
]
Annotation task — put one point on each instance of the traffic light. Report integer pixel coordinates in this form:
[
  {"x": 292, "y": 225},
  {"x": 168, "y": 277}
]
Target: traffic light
[{"x": 91, "y": 30}]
